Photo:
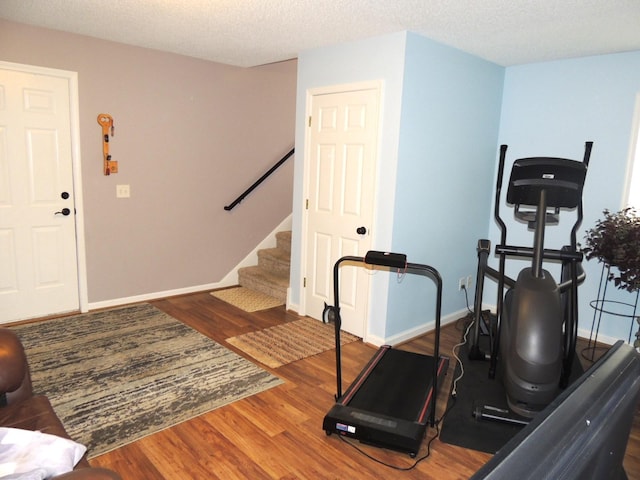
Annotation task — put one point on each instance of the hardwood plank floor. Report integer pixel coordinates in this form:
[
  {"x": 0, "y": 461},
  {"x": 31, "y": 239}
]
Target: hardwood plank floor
[{"x": 278, "y": 434}]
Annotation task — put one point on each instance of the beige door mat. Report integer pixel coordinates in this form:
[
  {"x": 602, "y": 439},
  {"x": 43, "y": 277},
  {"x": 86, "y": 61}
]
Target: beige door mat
[{"x": 246, "y": 299}]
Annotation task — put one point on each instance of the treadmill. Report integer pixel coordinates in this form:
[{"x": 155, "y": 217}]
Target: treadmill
[{"x": 392, "y": 400}]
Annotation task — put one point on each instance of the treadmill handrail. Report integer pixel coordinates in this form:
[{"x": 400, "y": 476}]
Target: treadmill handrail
[{"x": 413, "y": 268}]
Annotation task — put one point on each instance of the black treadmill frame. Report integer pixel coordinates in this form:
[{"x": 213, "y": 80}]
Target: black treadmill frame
[{"x": 378, "y": 434}]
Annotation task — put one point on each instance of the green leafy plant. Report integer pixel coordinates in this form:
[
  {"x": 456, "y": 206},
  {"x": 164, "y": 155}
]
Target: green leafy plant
[{"x": 615, "y": 241}]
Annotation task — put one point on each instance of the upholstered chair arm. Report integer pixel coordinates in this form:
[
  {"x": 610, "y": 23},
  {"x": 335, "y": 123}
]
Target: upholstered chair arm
[{"x": 15, "y": 378}]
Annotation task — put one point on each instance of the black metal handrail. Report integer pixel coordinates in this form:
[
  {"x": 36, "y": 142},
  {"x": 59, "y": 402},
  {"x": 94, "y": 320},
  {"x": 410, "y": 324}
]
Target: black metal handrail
[{"x": 259, "y": 181}]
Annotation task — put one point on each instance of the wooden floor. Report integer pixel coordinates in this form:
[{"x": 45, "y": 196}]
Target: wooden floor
[{"x": 278, "y": 434}]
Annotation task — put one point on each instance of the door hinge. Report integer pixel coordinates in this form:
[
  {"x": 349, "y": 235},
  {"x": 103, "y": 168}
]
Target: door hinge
[
  {"x": 309, "y": 120},
  {"x": 304, "y": 282},
  {"x": 306, "y": 204}
]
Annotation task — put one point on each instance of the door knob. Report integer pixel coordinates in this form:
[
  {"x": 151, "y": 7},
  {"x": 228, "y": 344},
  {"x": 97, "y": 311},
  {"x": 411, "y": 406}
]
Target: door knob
[
  {"x": 361, "y": 230},
  {"x": 64, "y": 195},
  {"x": 64, "y": 211}
]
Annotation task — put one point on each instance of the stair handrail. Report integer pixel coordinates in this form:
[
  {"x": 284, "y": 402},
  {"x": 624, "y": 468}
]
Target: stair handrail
[{"x": 259, "y": 181}]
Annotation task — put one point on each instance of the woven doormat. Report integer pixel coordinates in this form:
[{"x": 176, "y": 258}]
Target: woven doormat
[
  {"x": 246, "y": 299},
  {"x": 282, "y": 344}
]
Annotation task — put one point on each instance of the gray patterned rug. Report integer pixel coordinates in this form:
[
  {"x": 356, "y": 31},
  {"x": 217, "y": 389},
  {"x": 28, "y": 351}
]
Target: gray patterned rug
[{"x": 116, "y": 376}]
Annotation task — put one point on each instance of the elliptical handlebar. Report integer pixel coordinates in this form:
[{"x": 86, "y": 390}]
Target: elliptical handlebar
[
  {"x": 587, "y": 153},
  {"x": 496, "y": 207},
  {"x": 587, "y": 156}
]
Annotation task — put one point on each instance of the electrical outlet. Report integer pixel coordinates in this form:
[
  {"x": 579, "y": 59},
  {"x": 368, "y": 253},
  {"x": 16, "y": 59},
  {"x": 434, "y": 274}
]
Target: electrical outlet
[
  {"x": 461, "y": 283},
  {"x": 469, "y": 282}
]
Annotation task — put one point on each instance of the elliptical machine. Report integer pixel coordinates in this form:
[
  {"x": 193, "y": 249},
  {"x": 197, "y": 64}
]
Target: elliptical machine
[{"x": 535, "y": 328}]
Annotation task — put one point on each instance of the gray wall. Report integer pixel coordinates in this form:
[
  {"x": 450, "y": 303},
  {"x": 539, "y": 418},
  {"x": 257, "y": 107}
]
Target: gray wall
[{"x": 190, "y": 136}]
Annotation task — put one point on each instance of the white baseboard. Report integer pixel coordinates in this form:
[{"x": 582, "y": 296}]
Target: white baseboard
[
  {"x": 156, "y": 295},
  {"x": 229, "y": 280},
  {"x": 584, "y": 333},
  {"x": 294, "y": 307},
  {"x": 412, "y": 333}
]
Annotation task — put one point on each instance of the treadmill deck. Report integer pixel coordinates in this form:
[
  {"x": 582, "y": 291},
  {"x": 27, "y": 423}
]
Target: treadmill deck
[{"x": 389, "y": 403}]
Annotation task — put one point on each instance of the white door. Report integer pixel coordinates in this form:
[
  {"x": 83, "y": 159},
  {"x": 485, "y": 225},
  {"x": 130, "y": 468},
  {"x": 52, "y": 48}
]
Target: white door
[
  {"x": 38, "y": 256},
  {"x": 343, "y": 142}
]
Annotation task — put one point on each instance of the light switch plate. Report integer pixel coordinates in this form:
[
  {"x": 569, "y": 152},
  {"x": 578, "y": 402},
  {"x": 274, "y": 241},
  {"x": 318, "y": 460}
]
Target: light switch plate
[{"x": 123, "y": 191}]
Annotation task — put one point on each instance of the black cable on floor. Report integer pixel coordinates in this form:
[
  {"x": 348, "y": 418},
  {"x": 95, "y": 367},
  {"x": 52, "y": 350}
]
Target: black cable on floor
[
  {"x": 396, "y": 467},
  {"x": 466, "y": 327}
]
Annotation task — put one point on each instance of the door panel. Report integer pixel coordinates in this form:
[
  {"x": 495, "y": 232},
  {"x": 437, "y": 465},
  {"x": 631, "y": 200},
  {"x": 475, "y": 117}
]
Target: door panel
[
  {"x": 37, "y": 243},
  {"x": 342, "y": 156}
]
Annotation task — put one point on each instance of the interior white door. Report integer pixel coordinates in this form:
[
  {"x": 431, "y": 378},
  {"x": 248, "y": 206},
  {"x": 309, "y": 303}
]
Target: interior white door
[
  {"x": 342, "y": 151},
  {"x": 38, "y": 256}
]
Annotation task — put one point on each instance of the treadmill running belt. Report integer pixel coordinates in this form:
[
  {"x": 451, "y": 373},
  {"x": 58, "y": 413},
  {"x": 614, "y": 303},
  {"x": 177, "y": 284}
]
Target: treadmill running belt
[{"x": 397, "y": 386}]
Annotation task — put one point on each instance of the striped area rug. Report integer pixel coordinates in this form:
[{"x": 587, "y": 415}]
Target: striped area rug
[
  {"x": 116, "y": 376},
  {"x": 286, "y": 343}
]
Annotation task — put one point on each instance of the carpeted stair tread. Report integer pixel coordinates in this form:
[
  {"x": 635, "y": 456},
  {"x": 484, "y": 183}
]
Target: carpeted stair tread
[
  {"x": 261, "y": 280},
  {"x": 283, "y": 241},
  {"x": 275, "y": 260},
  {"x": 271, "y": 275}
]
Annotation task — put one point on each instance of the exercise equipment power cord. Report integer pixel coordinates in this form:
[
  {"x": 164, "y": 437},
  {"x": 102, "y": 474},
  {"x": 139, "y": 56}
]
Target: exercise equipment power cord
[
  {"x": 455, "y": 355},
  {"x": 437, "y": 423}
]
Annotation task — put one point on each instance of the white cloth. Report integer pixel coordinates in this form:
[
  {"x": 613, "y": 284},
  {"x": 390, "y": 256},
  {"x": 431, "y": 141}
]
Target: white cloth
[{"x": 28, "y": 455}]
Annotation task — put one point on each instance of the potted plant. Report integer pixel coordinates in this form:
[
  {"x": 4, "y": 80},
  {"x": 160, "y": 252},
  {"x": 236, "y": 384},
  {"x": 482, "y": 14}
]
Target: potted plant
[{"x": 615, "y": 241}]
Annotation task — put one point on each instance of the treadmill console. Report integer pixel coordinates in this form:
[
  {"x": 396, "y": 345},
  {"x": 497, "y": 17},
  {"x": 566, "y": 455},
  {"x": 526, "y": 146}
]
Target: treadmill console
[{"x": 386, "y": 259}]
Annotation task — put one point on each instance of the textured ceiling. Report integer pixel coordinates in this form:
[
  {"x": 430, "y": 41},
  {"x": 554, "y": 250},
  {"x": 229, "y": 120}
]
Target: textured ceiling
[{"x": 254, "y": 32}]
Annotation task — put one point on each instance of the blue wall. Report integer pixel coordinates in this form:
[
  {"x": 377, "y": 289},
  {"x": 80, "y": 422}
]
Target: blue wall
[
  {"x": 440, "y": 115},
  {"x": 444, "y": 113},
  {"x": 448, "y": 136},
  {"x": 551, "y": 109}
]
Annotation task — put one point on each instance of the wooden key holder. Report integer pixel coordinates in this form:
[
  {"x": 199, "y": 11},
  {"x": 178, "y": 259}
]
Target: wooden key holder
[{"x": 106, "y": 121}]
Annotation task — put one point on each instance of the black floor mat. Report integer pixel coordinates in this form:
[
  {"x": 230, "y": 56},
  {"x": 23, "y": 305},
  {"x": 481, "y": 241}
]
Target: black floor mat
[{"x": 476, "y": 389}]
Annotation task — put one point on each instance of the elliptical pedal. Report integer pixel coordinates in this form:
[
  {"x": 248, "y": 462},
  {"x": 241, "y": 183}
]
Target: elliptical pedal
[{"x": 495, "y": 414}]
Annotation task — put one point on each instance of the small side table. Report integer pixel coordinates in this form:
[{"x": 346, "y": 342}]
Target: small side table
[{"x": 610, "y": 307}]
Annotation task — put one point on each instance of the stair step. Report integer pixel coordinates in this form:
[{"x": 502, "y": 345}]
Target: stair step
[
  {"x": 283, "y": 241},
  {"x": 261, "y": 280},
  {"x": 271, "y": 275},
  {"x": 275, "y": 260}
]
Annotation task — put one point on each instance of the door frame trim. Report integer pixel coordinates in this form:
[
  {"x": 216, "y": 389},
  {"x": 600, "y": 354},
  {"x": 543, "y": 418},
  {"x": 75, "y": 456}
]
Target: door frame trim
[
  {"x": 74, "y": 130},
  {"x": 312, "y": 92}
]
